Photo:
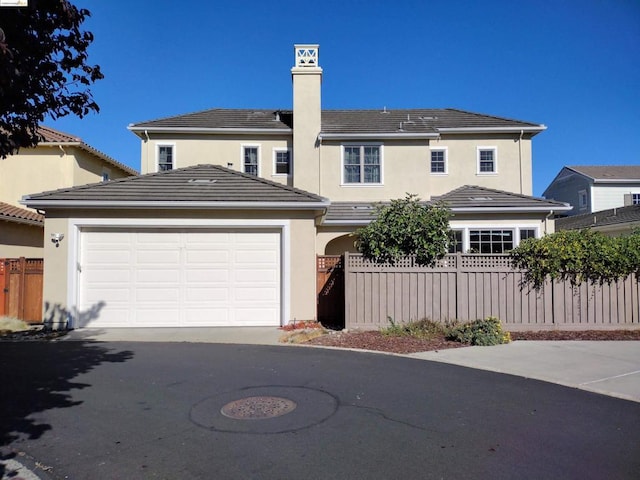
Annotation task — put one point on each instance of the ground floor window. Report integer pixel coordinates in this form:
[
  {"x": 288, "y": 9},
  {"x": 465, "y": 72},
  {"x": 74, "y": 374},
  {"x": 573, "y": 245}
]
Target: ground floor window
[
  {"x": 456, "y": 246},
  {"x": 490, "y": 241}
]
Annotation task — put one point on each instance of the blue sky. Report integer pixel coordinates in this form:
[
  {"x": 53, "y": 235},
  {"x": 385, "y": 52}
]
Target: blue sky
[{"x": 573, "y": 65}]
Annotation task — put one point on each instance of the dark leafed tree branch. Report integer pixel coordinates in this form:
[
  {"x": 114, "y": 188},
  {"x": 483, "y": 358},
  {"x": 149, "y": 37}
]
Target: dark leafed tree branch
[{"x": 43, "y": 69}]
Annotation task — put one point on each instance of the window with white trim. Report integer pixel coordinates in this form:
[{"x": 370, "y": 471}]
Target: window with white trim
[
  {"x": 165, "y": 158},
  {"x": 487, "y": 160},
  {"x": 635, "y": 199},
  {"x": 362, "y": 164},
  {"x": 250, "y": 159},
  {"x": 106, "y": 174},
  {"x": 491, "y": 241},
  {"x": 456, "y": 245},
  {"x": 583, "y": 200},
  {"x": 526, "y": 233},
  {"x": 281, "y": 161},
  {"x": 439, "y": 161}
]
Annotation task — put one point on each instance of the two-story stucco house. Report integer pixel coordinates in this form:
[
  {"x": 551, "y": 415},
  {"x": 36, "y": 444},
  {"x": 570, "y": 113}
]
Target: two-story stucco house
[
  {"x": 233, "y": 206},
  {"x": 59, "y": 160},
  {"x": 592, "y": 189}
]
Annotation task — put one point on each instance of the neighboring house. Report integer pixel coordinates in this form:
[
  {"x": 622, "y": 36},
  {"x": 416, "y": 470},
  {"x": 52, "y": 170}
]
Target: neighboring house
[
  {"x": 59, "y": 160},
  {"x": 594, "y": 188},
  {"x": 615, "y": 221},
  {"x": 233, "y": 206}
]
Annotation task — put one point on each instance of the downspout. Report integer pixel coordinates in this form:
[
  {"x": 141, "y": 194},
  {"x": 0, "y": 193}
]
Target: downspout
[
  {"x": 62, "y": 149},
  {"x": 546, "y": 222},
  {"x": 520, "y": 159}
]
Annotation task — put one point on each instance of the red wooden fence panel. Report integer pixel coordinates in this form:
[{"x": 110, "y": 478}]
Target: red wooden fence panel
[{"x": 22, "y": 292}]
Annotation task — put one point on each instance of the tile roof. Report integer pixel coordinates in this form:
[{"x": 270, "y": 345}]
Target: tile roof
[
  {"x": 472, "y": 197},
  {"x": 200, "y": 185},
  {"x": 50, "y": 136},
  {"x": 609, "y": 172},
  {"x": 614, "y": 216},
  {"x": 13, "y": 214},
  {"x": 340, "y": 121},
  {"x": 468, "y": 198}
]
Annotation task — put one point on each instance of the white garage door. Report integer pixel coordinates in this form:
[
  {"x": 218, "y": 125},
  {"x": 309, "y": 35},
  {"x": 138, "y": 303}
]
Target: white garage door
[{"x": 178, "y": 277}]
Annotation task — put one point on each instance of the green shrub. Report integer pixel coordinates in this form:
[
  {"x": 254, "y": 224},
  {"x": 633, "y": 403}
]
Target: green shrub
[
  {"x": 479, "y": 332},
  {"x": 424, "y": 328}
]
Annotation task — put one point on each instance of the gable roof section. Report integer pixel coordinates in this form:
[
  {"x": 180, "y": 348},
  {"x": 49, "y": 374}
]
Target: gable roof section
[
  {"x": 9, "y": 213},
  {"x": 472, "y": 198},
  {"x": 49, "y": 136},
  {"x": 609, "y": 173},
  {"x": 200, "y": 186},
  {"x": 425, "y": 123},
  {"x": 466, "y": 199},
  {"x": 614, "y": 216}
]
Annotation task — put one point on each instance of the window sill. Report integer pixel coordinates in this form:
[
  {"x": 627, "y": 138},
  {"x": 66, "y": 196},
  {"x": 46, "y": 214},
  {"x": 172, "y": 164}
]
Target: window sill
[
  {"x": 439, "y": 174},
  {"x": 365, "y": 185},
  {"x": 486, "y": 174}
]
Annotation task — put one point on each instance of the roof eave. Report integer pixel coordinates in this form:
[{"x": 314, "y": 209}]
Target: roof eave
[
  {"x": 240, "y": 131},
  {"x": 376, "y": 136},
  {"x": 100, "y": 204},
  {"x": 525, "y": 129},
  {"x": 559, "y": 208}
]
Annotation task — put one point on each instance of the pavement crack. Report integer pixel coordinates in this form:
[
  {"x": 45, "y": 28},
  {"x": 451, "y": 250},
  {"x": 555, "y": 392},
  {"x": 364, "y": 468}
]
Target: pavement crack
[{"x": 384, "y": 416}]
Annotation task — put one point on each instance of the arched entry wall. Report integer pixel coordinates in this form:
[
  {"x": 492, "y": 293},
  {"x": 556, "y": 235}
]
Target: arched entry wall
[{"x": 335, "y": 241}]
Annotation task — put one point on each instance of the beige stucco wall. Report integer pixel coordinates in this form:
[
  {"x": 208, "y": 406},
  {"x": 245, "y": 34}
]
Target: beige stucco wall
[
  {"x": 301, "y": 247},
  {"x": 34, "y": 170},
  {"x": 20, "y": 240},
  {"x": 406, "y": 168},
  {"x": 336, "y": 240},
  {"x": 44, "y": 168},
  {"x": 221, "y": 150}
]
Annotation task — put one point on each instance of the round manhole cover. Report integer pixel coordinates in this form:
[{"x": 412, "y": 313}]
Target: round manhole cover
[{"x": 253, "y": 408}]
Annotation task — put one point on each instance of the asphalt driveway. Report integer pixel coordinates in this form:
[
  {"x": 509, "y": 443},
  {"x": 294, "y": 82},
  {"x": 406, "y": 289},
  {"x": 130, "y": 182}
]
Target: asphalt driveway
[{"x": 86, "y": 410}]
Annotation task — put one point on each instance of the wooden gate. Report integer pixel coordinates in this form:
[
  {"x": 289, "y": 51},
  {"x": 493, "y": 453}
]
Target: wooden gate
[
  {"x": 21, "y": 282},
  {"x": 330, "y": 290}
]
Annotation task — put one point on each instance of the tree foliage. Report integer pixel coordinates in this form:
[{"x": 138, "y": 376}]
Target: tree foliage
[
  {"x": 43, "y": 69},
  {"x": 406, "y": 227},
  {"x": 578, "y": 256}
]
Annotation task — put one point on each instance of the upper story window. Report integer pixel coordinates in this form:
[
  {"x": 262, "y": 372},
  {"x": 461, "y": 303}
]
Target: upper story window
[
  {"x": 282, "y": 162},
  {"x": 439, "y": 160},
  {"x": 487, "y": 161},
  {"x": 165, "y": 157},
  {"x": 583, "y": 200},
  {"x": 105, "y": 175},
  {"x": 250, "y": 159},
  {"x": 635, "y": 199},
  {"x": 362, "y": 164}
]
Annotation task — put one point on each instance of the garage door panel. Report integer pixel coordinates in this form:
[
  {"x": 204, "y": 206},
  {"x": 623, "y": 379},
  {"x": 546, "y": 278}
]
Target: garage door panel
[{"x": 181, "y": 277}]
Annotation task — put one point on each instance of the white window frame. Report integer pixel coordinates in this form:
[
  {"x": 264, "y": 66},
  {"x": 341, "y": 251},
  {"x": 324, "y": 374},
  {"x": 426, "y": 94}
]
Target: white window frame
[
  {"x": 494, "y": 149},
  {"x": 106, "y": 174},
  {"x": 173, "y": 155},
  {"x": 446, "y": 160},
  {"x": 361, "y": 183},
  {"x": 536, "y": 233},
  {"x": 275, "y": 156},
  {"x": 259, "y": 156},
  {"x": 583, "y": 195},
  {"x": 635, "y": 198},
  {"x": 515, "y": 227}
]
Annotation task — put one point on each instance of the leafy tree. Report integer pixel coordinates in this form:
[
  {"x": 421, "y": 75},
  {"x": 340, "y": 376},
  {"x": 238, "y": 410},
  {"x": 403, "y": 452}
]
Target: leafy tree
[
  {"x": 43, "y": 69},
  {"x": 578, "y": 256},
  {"x": 406, "y": 227}
]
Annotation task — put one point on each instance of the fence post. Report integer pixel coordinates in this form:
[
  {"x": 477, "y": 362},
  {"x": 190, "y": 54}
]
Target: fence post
[{"x": 347, "y": 293}]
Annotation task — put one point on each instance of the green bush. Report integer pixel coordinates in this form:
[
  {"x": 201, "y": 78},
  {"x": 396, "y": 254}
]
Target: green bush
[
  {"x": 577, "y": 256},
  {"x": 425, "y": 328},
  {"x": 479, "y": 332},
  {"x": 406, "y": 227}
]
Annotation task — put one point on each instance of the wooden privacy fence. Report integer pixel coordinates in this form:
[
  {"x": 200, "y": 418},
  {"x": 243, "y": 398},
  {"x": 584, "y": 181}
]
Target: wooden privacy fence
[
  {"x": 471, "y": 286},
  {"x": 21, "y": 284}
]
